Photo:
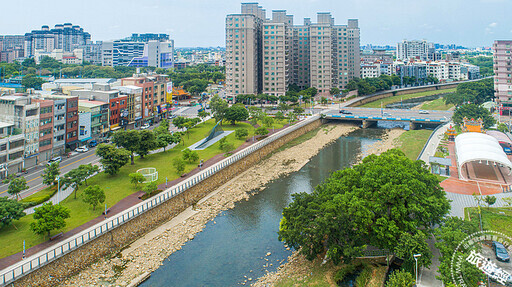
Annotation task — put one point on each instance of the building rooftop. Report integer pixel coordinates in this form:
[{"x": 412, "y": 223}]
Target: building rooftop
[
  {"x": 90, "y": 104},
  {"x": 85, "y": 81},
  {"x": 4, "y": 125}
]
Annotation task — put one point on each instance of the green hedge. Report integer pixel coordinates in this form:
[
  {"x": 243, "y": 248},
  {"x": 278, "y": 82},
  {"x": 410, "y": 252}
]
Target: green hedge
[{"x": 39, "y": 197}]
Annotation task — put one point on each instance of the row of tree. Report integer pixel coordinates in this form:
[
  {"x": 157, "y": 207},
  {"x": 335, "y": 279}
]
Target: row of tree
[
  {"x": 369, "y": 86},
  {"x": 477, "y": 92}
]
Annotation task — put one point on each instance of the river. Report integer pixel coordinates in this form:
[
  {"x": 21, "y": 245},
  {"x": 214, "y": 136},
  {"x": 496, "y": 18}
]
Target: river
[{"x": 234, "y": 247}]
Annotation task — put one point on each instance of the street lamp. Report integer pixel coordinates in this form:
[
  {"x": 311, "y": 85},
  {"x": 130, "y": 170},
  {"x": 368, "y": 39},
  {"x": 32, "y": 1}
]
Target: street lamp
[
  {"x": 416, "y": 256},
  {"x": 58, "y": 188}
]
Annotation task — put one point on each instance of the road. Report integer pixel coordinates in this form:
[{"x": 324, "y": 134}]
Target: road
[
  {"x": 34, "y": 180},
  {"x": 391, "y": 114}
]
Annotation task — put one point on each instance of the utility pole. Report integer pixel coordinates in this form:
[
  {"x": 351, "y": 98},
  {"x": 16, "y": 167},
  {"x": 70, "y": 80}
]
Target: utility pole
[{"x": 416, "y": 259}]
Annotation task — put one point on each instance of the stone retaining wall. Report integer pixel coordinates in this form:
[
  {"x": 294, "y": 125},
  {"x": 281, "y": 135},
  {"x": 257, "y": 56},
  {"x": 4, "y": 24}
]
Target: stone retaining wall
[{"x": 113, "y": 241}]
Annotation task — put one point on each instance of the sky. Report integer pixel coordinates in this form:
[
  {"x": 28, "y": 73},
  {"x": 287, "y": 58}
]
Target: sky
[{"x": 201, "y": 23}]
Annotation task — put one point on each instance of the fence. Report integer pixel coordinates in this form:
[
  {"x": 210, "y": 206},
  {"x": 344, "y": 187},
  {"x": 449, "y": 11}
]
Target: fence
[{"x": 36, "y": 261}]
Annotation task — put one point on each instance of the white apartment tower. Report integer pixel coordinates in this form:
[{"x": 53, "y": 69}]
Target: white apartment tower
[
  {"x": 502, "y": 56},
  {"x": 413, "y": 49},
  {"x": 267, "y": 55}
]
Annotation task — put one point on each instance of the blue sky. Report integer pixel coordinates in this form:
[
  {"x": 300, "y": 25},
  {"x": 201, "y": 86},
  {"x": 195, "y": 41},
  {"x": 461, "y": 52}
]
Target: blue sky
[{"x": 201, "y": 22}]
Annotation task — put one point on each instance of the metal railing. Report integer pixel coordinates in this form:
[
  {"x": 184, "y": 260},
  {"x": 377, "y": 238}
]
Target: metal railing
[{"x": 36, "y": 261}]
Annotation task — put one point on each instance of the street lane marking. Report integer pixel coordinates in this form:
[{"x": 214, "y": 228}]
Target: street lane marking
[{"x": 60, "y": 169}]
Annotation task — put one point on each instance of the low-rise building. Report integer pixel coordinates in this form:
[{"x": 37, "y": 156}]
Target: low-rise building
[
  {"x": 84, "y": 127},
  {"x": 134, "y": 103},
  {"x": 99, "y": 117},
  {"x": 45, "y": 129},
  {"x": 70, "y": 119},
  {"x": 12, "y": 148}
]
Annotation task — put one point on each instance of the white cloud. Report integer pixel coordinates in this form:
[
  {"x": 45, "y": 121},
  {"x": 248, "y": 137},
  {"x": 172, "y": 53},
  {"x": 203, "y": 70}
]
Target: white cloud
[{"x": 493, "y": 24}]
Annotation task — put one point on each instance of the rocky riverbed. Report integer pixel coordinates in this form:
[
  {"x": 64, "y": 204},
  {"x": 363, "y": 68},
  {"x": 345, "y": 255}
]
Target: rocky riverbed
[
  {"x": 148, "y": 253},
  {"x": 297, "y": 266}
]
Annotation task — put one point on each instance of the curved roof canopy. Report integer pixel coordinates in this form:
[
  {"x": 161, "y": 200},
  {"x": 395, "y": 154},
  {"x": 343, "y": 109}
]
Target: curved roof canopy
[{"x": 477, "y": 146}]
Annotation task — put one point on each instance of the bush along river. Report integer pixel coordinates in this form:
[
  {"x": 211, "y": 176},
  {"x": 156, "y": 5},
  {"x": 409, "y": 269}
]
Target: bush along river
[{"x": 242, "y": 244}]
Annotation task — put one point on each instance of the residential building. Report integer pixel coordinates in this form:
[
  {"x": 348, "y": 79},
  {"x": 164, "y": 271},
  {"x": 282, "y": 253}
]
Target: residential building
[
  {"x": 84, "y": 127},
  {"x": 92, "y": 52},
  {"x": 12, "y": 148},
  {"x": 370, "y": 70},
  {"x": 75, "y": 57},
  {"x": 23, "y": 113},
  {"x": 134, "y": 102},
  {"x": 45, "y": 129},
  {"x": 68, "y": 104},
  {"x": 267, "y": 55},
  {"x": 99, "y": 117},
  {"x": 67, "y": 37},
  {"x": 414, "y": 49},
  {"x": 502, "y": 56},
  {"x": 11, "y": 47},
  {"x": 153, "y": 95},
  {"x": 148, "y": 37}
]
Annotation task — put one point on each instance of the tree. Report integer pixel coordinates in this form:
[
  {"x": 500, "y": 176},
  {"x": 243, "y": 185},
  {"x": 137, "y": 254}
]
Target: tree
[
  {"x": 74, "y": 179},
  {"x": 334, "y": 91},
  {"x": 298, "y": 110},
  {"x": 401, "y": 278},
  {"x": 490, "y": 200},
  {"x": 503, "y": 128},
  {"x": 472, "y": 111},
  {"x": 16, "y": 186},
  {"x": 280, "y": 116},
  {"x": 241, "y": 133},
  {"x": 372, "y": 203},
  {"x": 410, "y": 244},
  {"x": 10, "y": 210},
  {"x": 88, "y": 170},
  {"x": 31, "y": 81},
  {"x": 179, "y": 165},
  {"x": 283, "y": 107},
  {"x": 147, "y": 143},
  {"x": 268, "y": 121},
  {"x": 50, "y": 173},
  {"x": 49, "y": 217},
  {"x": 93, "y": 195},
  {"x": 190, "y": 155},
  {"x": 219, "y": 107},
  {"x": 261, "y": 131},
  {"x": 150, "y": 187},
  {"x": 136, "y": 178},
  {"x": 112, "y": 158},
  {"x": 508, "y": 200},
  {"x": 129, "y": 140},
  {"x": 323, "y": 101},
  {"x": 448, "y": 236},
  {"x": 236, "y": 112}
]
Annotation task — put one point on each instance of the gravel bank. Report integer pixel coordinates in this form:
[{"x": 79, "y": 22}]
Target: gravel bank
[
  {"x": 297, "y": 266},
  {"x": 148, "y": 253}
]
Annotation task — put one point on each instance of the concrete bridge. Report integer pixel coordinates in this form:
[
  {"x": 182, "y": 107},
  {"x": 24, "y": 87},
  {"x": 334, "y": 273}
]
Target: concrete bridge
[{"x": 369, "y": 117}]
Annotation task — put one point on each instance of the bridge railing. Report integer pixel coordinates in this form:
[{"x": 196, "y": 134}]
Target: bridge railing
[{"x": 36, "y": 261}]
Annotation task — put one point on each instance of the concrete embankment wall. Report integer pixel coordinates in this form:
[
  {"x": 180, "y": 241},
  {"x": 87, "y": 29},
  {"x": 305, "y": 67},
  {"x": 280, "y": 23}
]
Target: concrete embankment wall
[
  {"x": 387, "y": 94},
  {"x": 113, "y": 241}
]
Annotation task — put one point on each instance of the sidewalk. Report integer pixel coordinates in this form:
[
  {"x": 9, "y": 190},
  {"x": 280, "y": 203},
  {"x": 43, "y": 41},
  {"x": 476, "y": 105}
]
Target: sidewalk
[{"x": 433, "y": 143}]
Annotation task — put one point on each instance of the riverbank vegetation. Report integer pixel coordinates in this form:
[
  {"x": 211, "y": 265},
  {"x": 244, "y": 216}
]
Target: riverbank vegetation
[
  {"x": 411, "y": 142},
  {"x": 397, "y": 99},
  {"x": 436, "y": 105}
]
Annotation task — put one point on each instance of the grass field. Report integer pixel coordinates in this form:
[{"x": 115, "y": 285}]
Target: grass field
[
  {"x": 492, "y": 219},
  {"x": 412, "y": 142},
  {"x": 395, "y": 99},
  {"x": 116, "y": 187},
  {"x": 436, "y": 105}
]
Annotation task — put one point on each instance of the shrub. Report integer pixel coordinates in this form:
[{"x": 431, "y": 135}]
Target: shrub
[
  {"x": 39, "y": 197},
  {"x": 241, "y": 133}
]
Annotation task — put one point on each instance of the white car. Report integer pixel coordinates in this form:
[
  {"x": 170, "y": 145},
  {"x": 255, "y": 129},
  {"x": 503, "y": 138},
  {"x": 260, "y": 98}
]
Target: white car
[
  {"x": 82, "y": 149},
  {"x": 144, "y": 127},
  {"x": 424, "y": 112}
]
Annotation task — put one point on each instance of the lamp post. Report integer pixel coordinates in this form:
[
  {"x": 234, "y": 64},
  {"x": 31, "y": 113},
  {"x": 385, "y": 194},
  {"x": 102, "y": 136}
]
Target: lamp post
[
  {"x": 416, "y": 256},
  {"x": 58, "y": 189}
]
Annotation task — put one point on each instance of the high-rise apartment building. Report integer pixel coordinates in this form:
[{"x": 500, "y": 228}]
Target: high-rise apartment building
[
  {"x": 67, "y": 37},
  {"x": 267, "y": 55},
  {"x": 502, "y": 54},
  {"x": 415, "y": 49}
]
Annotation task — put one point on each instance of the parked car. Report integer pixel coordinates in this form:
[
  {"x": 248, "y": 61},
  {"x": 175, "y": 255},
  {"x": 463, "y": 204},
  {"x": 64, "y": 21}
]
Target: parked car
[
  {"x": 507, "y": 150},
  {"x": 500, "y": 251},
  {"x": 82, "y": 149},
  {"x": 55, "y": 159},
  {"x": 145, "y": 127},
  {"x": 345, "y": 112},
  {"x": 424, "y": 112},
  {"x": 93, "y": 143}
]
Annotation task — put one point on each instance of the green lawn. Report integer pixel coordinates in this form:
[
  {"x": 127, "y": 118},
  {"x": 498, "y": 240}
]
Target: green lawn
[
  {"x": 412, "y": 142},
  {"x": 436, "y": 105},
  {"x": 117, "y": 187},
  {"x": 276, "y": 125},
  {"x": 492, "y": 219},
  {"x": 395, "y": 99}
]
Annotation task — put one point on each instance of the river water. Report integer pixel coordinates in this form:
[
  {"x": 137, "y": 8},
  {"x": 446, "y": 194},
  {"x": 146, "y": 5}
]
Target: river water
[{"x": 234, "y": 247}]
